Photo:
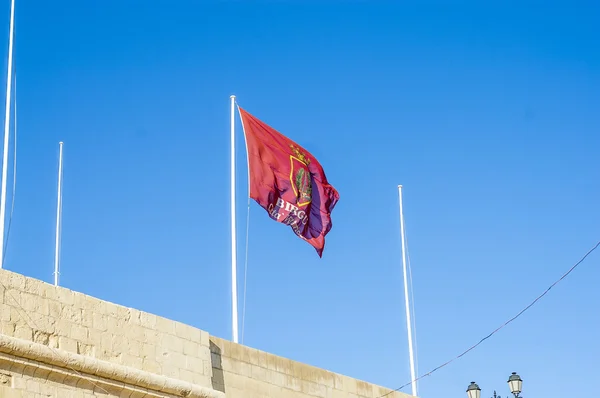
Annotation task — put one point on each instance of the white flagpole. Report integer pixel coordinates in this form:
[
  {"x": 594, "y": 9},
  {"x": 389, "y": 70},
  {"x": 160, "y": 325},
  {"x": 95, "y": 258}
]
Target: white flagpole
[
  {"x": 408, "y": 318},
  {"x": 6, "y": 130},
  {"x": 58, "y": 214},
  {"x": 234, "y": 303}
]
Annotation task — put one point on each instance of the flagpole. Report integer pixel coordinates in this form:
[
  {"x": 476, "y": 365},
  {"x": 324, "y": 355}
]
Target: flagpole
[
  {"x": 6, "y": 130},
  {"x": 408, "y": 318},
  {"x": 58, "y": 213},
  {"x": 234, "y": 303}
]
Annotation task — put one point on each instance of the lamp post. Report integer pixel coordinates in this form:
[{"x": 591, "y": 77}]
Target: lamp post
[{"x": 514, "y": 383}]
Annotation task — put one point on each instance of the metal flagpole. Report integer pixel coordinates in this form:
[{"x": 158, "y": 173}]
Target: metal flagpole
[
  {"x": 58, "y": 214},
  {"x": 6, "y": 130},
  {"x": 408, "y": 318},
  {"x": 234, "y": 304}
]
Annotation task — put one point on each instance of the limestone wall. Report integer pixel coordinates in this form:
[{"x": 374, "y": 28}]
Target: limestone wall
[
  {"x": 84, "y": 344},
  {"x": 58, "y": 343},
  {"x": 244, "y": 372}
]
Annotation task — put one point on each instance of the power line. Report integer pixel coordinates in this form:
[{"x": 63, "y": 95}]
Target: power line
[{"x": 498, "y": 329}]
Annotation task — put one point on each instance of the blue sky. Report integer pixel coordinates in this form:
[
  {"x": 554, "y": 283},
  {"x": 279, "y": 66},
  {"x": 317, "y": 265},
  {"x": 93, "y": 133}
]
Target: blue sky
[{"x": 487, "y": 114}]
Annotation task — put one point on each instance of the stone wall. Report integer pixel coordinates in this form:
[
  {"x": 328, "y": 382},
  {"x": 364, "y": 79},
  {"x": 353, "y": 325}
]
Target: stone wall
[
  {"x": 58, "y": 343},
  {"x": 244, "y": 372}
]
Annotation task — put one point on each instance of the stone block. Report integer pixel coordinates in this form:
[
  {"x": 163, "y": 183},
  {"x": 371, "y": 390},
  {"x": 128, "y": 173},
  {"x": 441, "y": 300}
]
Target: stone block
[
  {"x": 193, "y": 364},
  {"x": 148, "y": 351},
  {"x": 71, "y": 313},
  {"x": 171, "y": 371},
  {"x": 65, "y": 296},
  {"x": 318, "y": 376},
  {"x": 124, "y": 314},
  {"x": 111, "y": 310},
  {"x": 165, "y": 326},
  {"x": 151, "y": 336},
  {"x": 78, "y": 332},
  {"x": 262, "y": 359},
  {"x": 256, "y": 372},
  {"x": 132, "y": 361},
  {"x": 36, "y": 287},
  {"x": 12, "y": 297},
  {"x": 180, "y": 361},
  {"x": 238, "y": 352},
  {"x": 313, "y": 389},
  {"x": 115, "y": 325},
  {"x": 67, "y": 344},
  {"x": 7, "y": 329},
  {"x": 14, "y": 280},
  {"x": 135, "y": 348},
  {"x": 191, "y": 348},
  {"x": 19, "y": 382},
  {"x": 183, "y": 331},
  {"x": 349, "y": 384},
  {"x": 100, "y": 321},
  {"x": 119, "y": 344},
  {"x": 202, "y": 380},
  {"x": 134, "y": 332},
  {"x": 6, "y": 392},
  {"x": 150, "y": 365},
  {"x": 24, "y": 332},
  {"x": 289, "y": 382},
  {"x": 95, "y": 337},
  {"x": 333, "y": 393},
  {"x": 364, "y": 389},
  {"x": 86, "y": 349},
  {"x": 5, "y": 311},
  {"x": 63, "y": 327},
  {"x": 54, "y": 308},
  {"x": 148, "y": 320},
  {"x": 44, "y": 338},
  {"x": 200, "y": 336},
  {"x": 276, "y": 378},
  {"x": 87, "y": 318},
  {"x": 251, "y": 356},
  {"x": 204, "y": 353},
  {"x": 172, "y": 343},
  {"x": 33, "y": 386}
]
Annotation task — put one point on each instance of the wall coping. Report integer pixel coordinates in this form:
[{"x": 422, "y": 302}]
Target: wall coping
[{"x": 95, "y": 367}]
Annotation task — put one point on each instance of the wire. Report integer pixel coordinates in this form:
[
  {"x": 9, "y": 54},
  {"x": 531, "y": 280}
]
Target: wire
[
  {"x": 247, "y": 230},
  {"x": 245, "y": 271},
  {"x": 412, "y": 297},
  {"x": 14, "y": 185},
  {"x": 501, "y": 327},
  {"x": 59, "y": 216}
]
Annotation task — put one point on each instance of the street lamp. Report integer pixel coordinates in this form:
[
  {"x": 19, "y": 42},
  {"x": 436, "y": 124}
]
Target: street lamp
[
  {"x": 514, "y": 383},
  {"x": 473, "y": 391}
]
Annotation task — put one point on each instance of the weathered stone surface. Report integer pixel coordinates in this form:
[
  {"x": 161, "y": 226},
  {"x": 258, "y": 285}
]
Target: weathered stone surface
[
  {"x": 58, "y": 343},
  {"x": 242, "y": 371}
]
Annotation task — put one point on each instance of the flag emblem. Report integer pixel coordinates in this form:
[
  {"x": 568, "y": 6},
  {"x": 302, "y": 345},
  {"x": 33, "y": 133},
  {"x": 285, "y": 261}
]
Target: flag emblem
[{"x": 300, "y": 177}]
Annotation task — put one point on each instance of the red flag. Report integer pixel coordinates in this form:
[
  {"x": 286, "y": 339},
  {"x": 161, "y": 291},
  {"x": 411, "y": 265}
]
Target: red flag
[{"x": 288, "y": 182}]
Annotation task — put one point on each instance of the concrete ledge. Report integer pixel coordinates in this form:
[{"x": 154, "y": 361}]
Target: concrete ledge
[{"x": 123, "y": 376}]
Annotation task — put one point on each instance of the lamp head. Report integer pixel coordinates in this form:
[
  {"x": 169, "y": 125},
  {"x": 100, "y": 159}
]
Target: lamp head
[
  {"x": 515, "y": 383},
  {"x": 473, "y": 391}
]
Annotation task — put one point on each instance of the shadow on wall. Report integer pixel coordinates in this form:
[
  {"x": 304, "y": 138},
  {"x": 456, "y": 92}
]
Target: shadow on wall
[{"x": 218, "y": 379}]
